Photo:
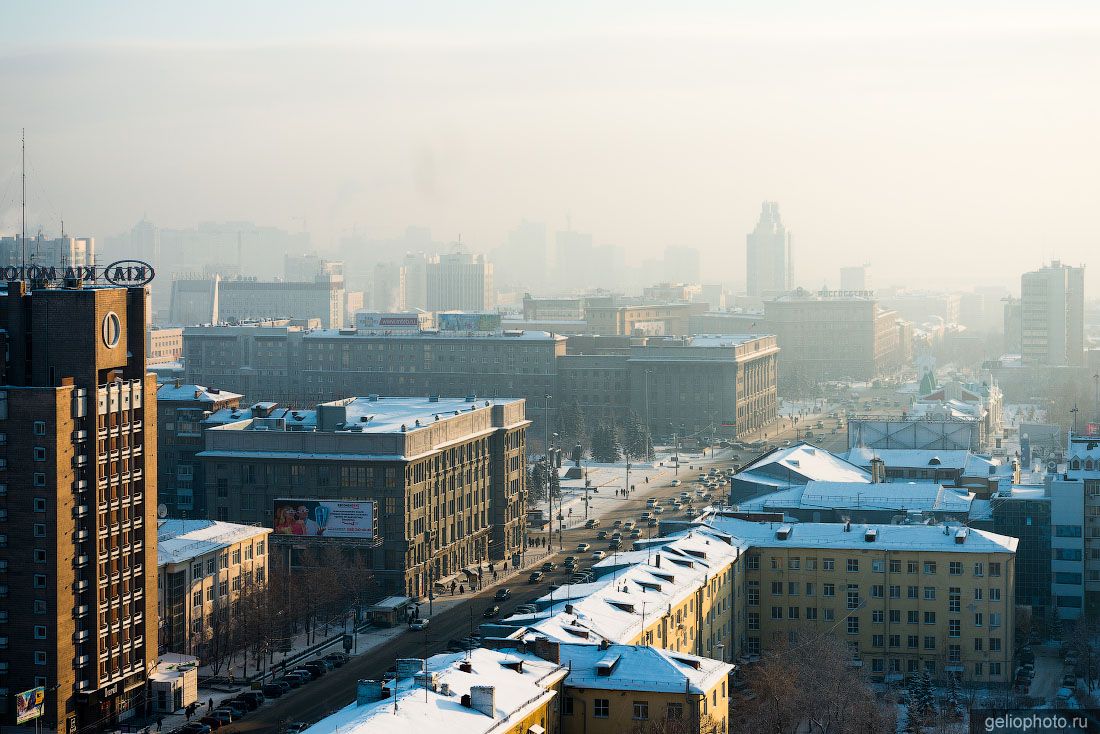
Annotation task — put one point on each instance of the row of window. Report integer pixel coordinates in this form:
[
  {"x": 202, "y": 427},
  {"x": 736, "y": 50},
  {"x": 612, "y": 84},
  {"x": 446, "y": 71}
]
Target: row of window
[{"x": 878, "y": 565}]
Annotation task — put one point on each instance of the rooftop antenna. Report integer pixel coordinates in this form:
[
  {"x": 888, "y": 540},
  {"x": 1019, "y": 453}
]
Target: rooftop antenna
[{"x": 23, "y": 208}]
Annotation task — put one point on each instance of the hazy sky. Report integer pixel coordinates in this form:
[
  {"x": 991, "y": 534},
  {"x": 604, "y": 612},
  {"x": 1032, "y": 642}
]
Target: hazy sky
[{"x": 951, "y": 142}]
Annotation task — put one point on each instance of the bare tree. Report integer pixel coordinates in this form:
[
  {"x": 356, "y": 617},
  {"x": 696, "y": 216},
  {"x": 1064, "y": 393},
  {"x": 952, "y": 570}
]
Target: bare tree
[{"x": 811, "y": 686}]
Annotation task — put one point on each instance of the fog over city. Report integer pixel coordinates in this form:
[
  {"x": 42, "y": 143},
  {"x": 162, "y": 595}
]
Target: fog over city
[{"x": 948, "y": 145}]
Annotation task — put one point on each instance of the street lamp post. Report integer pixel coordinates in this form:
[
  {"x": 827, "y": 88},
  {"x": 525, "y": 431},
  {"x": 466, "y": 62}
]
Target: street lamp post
[
  {"x": 546, "y": 452},
  {"x": 648, "y": 447}
]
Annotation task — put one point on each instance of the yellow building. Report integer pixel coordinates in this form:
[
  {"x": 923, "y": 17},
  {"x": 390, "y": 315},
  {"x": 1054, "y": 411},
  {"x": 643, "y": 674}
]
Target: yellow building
[
  {"x": 676, "y": 595},
  {"x": 484, "y": 691},
  {"x": 612, "y": 689},
  {"x": 906, "y": 598}
]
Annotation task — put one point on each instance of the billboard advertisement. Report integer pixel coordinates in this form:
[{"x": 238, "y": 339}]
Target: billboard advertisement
[
  {"x": 324, "y": 518},
  {"x": 468, "y": 321},
  {"x": 375, "y": 321},
  {"x": 30, "y": 704}
]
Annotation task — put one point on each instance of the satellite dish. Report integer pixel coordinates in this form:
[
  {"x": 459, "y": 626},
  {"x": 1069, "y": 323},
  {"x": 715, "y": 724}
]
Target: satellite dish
[{"x": 162, "y": 511}]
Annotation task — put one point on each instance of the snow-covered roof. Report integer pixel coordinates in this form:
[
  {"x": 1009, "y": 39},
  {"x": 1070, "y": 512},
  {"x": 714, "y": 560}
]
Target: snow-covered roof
[
  {"x": 633, "y": 590},
  {"x": 525, "y": 335},
  {"x": 887, "y": 537},
  {"x": 901, "y": 496},
  {"x": 174, "y": 391},
  {"x": 178, "y": 541},
  {"x": 420, "y": 709},
  {"x": 805, "y": 460},
  {"x": 969, "y": 463},
  {"x": 640, "y": 668}
]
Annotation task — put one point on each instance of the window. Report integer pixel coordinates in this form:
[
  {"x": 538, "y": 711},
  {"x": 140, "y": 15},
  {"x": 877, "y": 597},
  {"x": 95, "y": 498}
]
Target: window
[
  {"x": 853, "y": 596},
  {"x": 954, "y": 653},
  {"x": 39, "y": 453},
  {"x": 895, "y": 592},
  {"x": 828, "y": 614},
  {"x": 792, "y": 612},
  {"x": 811, "y": 613},
  {"x": 853, "y": 625},
  {"x": 39, "y": 530},
  {"x": 878, "y": 665},
  {"x": 792, "y": 588},
  {"x": 223, "y": 588},
  {"x": 196, "y": 571},
  {"x": 676, "y": 710},
  {"x": 994, "y": 594},
  {"x": 895, "y": 640},
  {"x": 39, "y": 504},
  {"x": 994, "y": 644},
  {"x": 828, "y": 590},
  {"x": 211, "y": 566},
  {"x": 754, "y": 562},
  {"x": 994, "y": 619},
  {"x": 977, "y": 593},
  {"x": 39, "y": 555},
  {"x": 929, "y": 617},
  {"x": 237, "y": 557},
  {"x": 40, "y": 632},
  {"x": 895, "y": 616},
  {"x": 979, "y": 569},
  {"x": 753, "y": 620},
  {"x": 777, "y": 588},
  {"x": 912, "y": 617},
  {"x": 777, "y": 612},
  {"x": 877, "y": 591},
  {"x": 39, "y": 428},
  {"x": 995, "y": 569},
  {"x": 794, "y": 563},
  {"x": 196, "y": 599},
  {"x": 567, "y": 706},
  {"x": 978, "y": 619},
  {"x": 878, "y": 616},
  {"x": 878, "y": 566},
  {"x": 912, "y": 592},
  {"x": 39, "y": 606},
  {"x": 809, "y": 589},
  {"x": 601, "y": 708},
  {"x": 910, "y": 566},
  {"x": 853, "y": 565},
  {"x": 929, "y": 643},
  {"x": 40, "y": 581},
  {"x": 977, "y": 644},
  {"x": 929, "y": 568},
  {"x": 994, "y": 668},
  {"x": 954, "y": 627},
  {"x": 641, "y": 710},
  {"x": 929, "y": 593},
  {"x": 878, "y": 641},
  {"x": 955, "y": 568},
  {"x": 828, "y": 564},
  {"x": 895, "y": 566},
  {"x": 1066, "y": 531},
  {"x": 39, "y": 658},
  {"x": 912, "y": 642}
]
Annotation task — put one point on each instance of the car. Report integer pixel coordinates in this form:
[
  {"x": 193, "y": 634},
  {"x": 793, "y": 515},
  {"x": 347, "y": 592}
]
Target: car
[
  {"x": 251, "y": 702},
  {"x": 216, "y": 720},
  {"x": 646, "y": 516},
  {"x": 420, "y": 623},
  {"x": 602, "y": 535},
  {"x": 615, "y": 545},
  {"x": 526, "y": 609},
  {"x": 307, "y": 674},
  {"x": 505, "y": 594},
  {"x": 652, "y": 502},
  {"x": 616, "y": 536},
  {"x": 652, "y": 523},
  {"x": 548, "y": 567},
  {"x": 676, "y": 482},
  {"x": 617, "y": 524},
  {"x": 582, "y": 547},
  {"x": 234, "y": 707},
  {"x": 535, "y": 577},
  {"x": 598, "y": 556},
  {"x": 569, "y": 559},
  {"x": 229, "y": 713},
  {"x": 593, "y": 523},
  {"x": 317, "y": 667},
  {"x": 635, "y": 534},
  {"x": 658, "y": 510},
  {"x": 338, "y": 658},
  {"x": 491, "y": 612},
  {"x": 194, "y": 728},
  {"x": 275, "y": 689},
  {"x": 702, "y": 477},
  {"x": 294, "y": 681},
  {"x": 685, "y": 495}
]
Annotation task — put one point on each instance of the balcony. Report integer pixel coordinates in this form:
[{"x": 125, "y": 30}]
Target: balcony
[
  {"x": 80, "y": 561},
  {"x": 80, "y": 511},
  {"x": 81, "y": 611},
  {"x": 82, "y": 660},
  {"x": 81, "y": 636}
]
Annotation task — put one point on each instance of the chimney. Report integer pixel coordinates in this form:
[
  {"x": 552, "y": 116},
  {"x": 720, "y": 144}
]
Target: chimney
[
  {"x": 444, "y": 689},
  {"x": 547, "y": 649},
  {"x": 878, "y": 471},
  {"x": 870, "y": 535},
  {"x": 484, "y": 699},
  {"x": 368, "y": 691},
  {"x": 657, "y": 560},
  {"x": 847, "y": 526},
  {"x": 179, "y": 382},
  {"x": 465, "y": 666}
]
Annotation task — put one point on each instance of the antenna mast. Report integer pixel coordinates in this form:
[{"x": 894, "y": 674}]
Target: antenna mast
[{"x": 23, "y": 208}]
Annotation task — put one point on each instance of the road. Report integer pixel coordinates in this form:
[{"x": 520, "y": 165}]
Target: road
[{"x": 336, "y": 689}]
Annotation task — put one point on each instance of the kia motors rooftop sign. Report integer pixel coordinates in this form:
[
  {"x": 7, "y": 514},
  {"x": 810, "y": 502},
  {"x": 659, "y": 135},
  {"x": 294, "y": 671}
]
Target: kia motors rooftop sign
[{"x": 123, "y": 273}]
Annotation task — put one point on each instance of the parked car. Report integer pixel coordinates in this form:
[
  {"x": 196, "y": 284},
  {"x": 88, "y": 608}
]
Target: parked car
[
  {"x": 256, "y": 696},
  {"x": 195, "y": 727},
  {"x": 491, "y": 612},
  {"x": 547, "y": 567},
  {"x": 316, "y": 667},
  {"x": 308, "y": 673},
  {"x": 420, "y": 623},
  {"x": 535, "y": 577},
  {"x": 275, "y": 689},
  {"x": 250, "y": 704},
  {"x": 236, "y": 708},
  {"x": 294, "y": 681},
  {"x": 216, "y": 720},
  {"x": 338, "y": 658},
  {"x": 503, "y": 594}
]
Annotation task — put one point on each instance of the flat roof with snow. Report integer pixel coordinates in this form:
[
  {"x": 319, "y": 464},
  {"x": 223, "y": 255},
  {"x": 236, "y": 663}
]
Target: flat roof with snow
[{"x": 178, "y": 541}]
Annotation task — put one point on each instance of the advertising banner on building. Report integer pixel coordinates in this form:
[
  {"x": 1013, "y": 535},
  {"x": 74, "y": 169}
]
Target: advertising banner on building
[
  {"x": 324, "y": 518},
  {"x": 401, "y": 322},
  {"x": 468, "y": 321},
  {"x": 30, "y": 704}
]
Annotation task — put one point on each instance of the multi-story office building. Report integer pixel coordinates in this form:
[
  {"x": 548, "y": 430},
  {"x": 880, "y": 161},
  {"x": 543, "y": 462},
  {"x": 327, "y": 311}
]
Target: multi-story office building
[
  {"x": 1075, "y": 530},
  {"x": 203, "y": 567},
  {"x": 244, "y": 300},
  {"x": 768, "y": 253},
  {"x": 181, "y": 412},
  {"x": 647, "y": 320},
  {"x": 290, "y": 365},
  {"x": 906, "y": 598},
  {"x": 460, "y": 281},
  {"x": 447, "y": 476},
  {"x": 832, "y": 335},
  {"x": 163, "y": 345},
  {"x": 78, "y": 473},
  {"x": 1052, "y": 313},
  {"x": 40, "y": 250}
]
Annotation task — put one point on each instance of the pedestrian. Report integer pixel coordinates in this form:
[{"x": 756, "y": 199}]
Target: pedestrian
[
  {"x": 160, "y": 721},
  {"x": 461, "y": 589},
  {"x": 210, "y": 706}
]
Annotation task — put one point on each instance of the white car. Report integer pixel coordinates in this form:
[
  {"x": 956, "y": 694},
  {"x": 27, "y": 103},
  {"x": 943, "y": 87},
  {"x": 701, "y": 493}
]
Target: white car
[
  {"x": 598, "y": 556},
  {"x": 676, "y": 482},
  {"x": 419, "y": 623},
  {"x": 582, "y": 547}
]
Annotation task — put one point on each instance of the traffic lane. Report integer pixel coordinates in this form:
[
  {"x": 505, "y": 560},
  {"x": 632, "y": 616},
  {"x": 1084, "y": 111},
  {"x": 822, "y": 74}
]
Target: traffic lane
[{"x": 335, "y": 690}]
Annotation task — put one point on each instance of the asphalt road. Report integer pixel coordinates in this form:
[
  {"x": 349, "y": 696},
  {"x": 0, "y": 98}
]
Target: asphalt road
[{"x": 336, "y": 689}]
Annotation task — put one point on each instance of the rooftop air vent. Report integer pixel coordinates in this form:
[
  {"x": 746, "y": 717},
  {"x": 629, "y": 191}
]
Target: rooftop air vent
[
  {"x": 870, "y": 535},
  {"x": 783, "y": 532}
]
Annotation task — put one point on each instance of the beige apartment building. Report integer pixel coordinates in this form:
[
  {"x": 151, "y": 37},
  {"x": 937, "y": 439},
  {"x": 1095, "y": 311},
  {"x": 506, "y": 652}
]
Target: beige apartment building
[
  {"x": 906, "y": 598},
  {"x": 203, "y": 567}
]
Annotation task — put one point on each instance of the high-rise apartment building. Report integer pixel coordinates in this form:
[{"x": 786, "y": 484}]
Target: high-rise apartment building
[
  {"x": 40, "y": 250},
  {"x": 78, "y": 472},
  {"x": 1052, "y": 310},
  {"x": 768, "y": 254},
  {"x": 460, "y": 281}
]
